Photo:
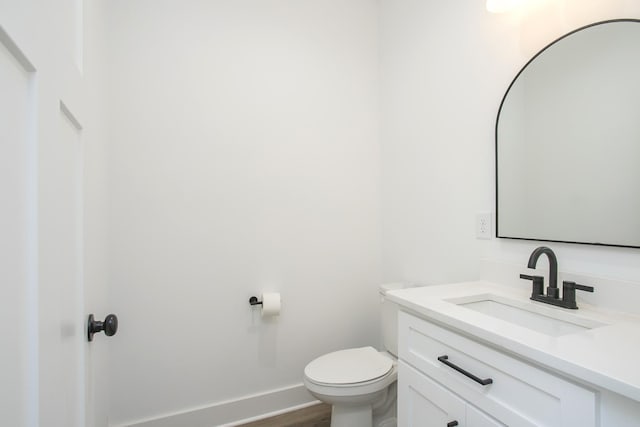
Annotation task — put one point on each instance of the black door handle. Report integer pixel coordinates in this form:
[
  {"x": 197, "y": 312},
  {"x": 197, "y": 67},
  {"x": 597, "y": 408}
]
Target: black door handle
[
  {"x": 452, "y": 424},
  {"x": 109, "y": 326},
  {"x": 445, "y": 359}
]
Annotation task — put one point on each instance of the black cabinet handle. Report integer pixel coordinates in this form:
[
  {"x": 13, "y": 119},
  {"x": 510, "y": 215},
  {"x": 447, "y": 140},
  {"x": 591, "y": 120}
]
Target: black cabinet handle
[
  {"x": 452, "y": 424},
  {"x": 109, "y": 326},
  {"x": 445, "y": 359}
]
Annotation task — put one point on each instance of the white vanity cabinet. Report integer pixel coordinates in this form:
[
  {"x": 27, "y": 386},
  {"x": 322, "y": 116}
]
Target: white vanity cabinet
[{"x": 441, "y": 392}]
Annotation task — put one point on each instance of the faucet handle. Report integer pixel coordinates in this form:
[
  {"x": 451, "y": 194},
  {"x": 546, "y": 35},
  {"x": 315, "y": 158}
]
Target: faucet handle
[
  {"x": 569, "y": 293},
  {"x": 538, "y": 284},
  {"x": 574, "y": 285}
]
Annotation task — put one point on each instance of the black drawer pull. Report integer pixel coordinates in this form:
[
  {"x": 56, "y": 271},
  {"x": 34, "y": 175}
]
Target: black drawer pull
[
  {"x": 445, "y": 359},
  {"x": 452, "y": 424}
]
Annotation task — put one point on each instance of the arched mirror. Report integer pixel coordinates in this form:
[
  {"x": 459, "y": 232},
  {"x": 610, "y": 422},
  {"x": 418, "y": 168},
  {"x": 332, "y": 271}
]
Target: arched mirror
[{"x": 568, "y": 141}]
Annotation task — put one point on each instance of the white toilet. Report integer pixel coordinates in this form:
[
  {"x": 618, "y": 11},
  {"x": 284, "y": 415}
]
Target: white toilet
[{"x": 360, "y": 383}]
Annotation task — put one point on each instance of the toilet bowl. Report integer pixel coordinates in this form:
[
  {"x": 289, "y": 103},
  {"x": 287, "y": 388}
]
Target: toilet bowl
[
  {"x": 357, "y": 383},
  {"x": 360, "y": 383}
]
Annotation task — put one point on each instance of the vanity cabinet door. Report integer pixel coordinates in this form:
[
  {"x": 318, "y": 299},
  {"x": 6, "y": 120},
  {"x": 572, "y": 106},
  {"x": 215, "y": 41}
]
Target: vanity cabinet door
[
  {"x": 477, "y": 418},
  {"x": 424, "y": 403}
]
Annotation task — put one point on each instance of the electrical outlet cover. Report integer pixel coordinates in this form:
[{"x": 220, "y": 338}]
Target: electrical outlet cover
[{"x": 483, "y": 225}]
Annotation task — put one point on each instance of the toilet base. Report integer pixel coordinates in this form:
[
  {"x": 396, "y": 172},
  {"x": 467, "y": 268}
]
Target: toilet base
[
  {"x": 382, "y": 413},
  {"x": 351, "y": 416}
]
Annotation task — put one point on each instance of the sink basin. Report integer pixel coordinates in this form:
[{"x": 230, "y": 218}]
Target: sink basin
[{"x": 547, "y": 320}]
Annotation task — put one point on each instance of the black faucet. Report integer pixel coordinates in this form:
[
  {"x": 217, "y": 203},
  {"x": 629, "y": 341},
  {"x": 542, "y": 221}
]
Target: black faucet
[
  {"x": 552, "y": 290},
  {"x": 553, "y": 293}
]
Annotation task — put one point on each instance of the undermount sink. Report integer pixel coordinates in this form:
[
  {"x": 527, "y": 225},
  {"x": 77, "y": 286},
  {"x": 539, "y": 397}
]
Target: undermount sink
[{"x": 547, "y": 320}]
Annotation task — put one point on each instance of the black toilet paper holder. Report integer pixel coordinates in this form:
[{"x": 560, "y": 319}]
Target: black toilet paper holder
[{"x": 254, "y": 301}]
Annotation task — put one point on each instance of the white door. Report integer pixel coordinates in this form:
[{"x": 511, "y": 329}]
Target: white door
[
  {"x": 44, "y": 374},
  {"x": 18, "y": 247},
  {"x": 61, "y": 296}
]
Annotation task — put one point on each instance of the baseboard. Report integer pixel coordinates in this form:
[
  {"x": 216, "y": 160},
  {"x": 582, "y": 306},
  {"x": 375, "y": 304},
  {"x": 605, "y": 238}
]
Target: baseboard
[{"x": 236, "y": 411}]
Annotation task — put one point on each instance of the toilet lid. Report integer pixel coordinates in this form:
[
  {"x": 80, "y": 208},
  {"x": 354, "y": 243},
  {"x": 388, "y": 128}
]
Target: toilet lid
[{"x": 350, "y": 366}]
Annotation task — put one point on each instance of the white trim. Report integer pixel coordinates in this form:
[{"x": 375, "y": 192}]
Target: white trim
[{"x": 234, "y": 411}]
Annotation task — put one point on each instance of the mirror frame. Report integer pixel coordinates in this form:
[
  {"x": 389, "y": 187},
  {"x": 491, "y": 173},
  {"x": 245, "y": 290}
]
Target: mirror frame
[{"x": 498, "y": 122}]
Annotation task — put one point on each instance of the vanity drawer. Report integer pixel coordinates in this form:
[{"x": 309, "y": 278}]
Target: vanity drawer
[{"x": 519, "y": 394}]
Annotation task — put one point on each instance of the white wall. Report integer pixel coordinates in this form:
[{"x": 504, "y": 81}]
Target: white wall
[
  {"x": 243, "y": 158},
  {"x": 445, "y": 67}
]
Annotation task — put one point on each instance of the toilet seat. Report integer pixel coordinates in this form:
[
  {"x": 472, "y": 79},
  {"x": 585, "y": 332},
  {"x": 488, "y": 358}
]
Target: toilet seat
[{"x": 348, "y": 368}]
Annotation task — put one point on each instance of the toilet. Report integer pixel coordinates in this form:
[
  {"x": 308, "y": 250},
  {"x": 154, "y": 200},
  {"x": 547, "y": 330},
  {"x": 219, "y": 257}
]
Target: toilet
[{"x": 360, "y": 383}]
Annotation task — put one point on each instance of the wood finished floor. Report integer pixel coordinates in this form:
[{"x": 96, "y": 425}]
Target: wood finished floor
[{"x": 313, "y": 416}]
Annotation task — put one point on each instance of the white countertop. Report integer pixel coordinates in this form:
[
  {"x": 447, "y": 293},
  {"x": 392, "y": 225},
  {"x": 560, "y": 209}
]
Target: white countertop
[{"x": 607, "y": 356}]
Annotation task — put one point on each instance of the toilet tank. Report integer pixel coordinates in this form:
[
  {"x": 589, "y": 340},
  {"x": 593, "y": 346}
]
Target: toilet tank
[{"x": 389, "y": 317}]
